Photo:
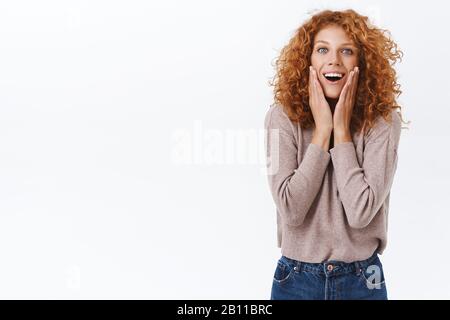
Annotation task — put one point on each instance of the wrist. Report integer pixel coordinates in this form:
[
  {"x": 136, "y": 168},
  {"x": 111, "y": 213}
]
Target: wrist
[
  {"x": 323, "y": 131},
  {"x": 342, "y": 135}
]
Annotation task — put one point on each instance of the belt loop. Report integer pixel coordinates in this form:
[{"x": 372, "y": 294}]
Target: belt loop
[
  {"x": 297, "y": 266},
  {"x": 357, "y": 267}
]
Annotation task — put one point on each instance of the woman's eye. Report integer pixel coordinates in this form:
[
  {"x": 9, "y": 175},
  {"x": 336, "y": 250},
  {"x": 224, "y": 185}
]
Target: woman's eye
[
  {"x": 321, "y": 50},
  {"x": 348, "y": 51}
]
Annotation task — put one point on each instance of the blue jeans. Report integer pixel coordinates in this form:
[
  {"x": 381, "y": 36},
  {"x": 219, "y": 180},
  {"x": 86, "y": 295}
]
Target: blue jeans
[{"x": 331, "y": 280}]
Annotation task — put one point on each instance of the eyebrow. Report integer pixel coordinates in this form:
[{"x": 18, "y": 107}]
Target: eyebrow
[{"x": 343, "y": 44}]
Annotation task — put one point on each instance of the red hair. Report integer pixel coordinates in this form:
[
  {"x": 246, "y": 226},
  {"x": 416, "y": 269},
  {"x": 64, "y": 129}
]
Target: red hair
[{"x": 377, "y": 86}]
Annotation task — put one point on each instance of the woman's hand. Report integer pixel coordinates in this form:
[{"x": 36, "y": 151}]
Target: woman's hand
[
  {"x": 320, "y": 108},
  {"x": 344, "y": 107}
]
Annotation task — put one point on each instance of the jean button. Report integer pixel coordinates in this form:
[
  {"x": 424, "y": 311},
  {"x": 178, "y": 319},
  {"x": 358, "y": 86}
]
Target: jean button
[{"x": 330, "y": 267}]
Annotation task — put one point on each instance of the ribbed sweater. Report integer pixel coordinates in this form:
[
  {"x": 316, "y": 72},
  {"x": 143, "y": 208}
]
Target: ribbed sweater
[{"x": 330, "y": 205}]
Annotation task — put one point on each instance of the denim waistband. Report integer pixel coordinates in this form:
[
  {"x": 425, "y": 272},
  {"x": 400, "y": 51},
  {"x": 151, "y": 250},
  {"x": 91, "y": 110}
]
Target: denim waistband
[{"x": 331, "y": 267}]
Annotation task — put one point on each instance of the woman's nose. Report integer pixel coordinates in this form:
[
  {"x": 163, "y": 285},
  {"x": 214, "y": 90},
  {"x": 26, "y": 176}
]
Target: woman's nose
[{"x": 334, "y": 59}]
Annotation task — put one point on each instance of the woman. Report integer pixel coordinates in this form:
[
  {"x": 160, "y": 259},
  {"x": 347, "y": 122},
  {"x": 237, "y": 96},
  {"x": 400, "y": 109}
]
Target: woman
[{"x": 335, "y": 82}]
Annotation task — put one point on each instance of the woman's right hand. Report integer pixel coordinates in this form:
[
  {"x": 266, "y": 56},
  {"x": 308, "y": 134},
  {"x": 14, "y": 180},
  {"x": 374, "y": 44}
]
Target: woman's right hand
[{"x": 320, "y": 108}]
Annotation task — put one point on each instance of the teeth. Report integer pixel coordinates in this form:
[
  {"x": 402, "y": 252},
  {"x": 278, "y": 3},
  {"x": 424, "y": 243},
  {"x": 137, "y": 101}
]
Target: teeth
[{"x": 333, "y": 75}]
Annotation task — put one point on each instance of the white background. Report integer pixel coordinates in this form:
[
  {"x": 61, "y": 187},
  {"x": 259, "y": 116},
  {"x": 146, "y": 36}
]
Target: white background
[{"x": 98, "y": 97}]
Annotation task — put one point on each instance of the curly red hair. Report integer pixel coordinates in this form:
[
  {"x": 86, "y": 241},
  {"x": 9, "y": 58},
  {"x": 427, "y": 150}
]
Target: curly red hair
[{"x": 377, "y": 86}]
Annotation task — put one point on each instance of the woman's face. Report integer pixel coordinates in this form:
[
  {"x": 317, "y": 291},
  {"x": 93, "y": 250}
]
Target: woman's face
[{"x": 333, "y": 52}]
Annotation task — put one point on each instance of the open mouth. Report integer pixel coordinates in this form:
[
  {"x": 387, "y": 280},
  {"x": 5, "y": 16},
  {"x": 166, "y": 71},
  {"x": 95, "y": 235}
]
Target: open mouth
[{"x": 333, "y": 77}]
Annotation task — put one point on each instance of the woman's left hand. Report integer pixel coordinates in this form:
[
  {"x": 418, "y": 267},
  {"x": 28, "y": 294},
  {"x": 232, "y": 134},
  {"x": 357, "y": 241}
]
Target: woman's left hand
[{"x": 344, "y": 107}]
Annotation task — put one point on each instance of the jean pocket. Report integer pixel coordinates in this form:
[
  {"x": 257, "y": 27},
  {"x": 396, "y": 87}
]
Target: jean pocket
[{"x": 283, "y": 272}]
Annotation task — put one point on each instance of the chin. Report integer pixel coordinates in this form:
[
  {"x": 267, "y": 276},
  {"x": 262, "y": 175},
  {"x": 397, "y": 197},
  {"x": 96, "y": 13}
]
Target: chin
[{"x": 332, "y": 95}]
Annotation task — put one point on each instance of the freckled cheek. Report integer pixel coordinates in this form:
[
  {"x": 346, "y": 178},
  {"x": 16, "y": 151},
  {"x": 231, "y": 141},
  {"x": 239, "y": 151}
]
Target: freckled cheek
[
  {"x": 315, "y": 62},
  {"x": 351, "y": 64},
  {"x": 317, "y": 65}
]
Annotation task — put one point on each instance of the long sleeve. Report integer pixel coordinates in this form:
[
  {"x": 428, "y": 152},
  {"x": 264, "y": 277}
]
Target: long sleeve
[
  {"x": 293, "y": 186},
  {"x": 363, "y": 189}
]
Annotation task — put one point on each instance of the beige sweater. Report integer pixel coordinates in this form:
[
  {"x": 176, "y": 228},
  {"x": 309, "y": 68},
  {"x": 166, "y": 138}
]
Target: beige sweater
[{"x": 330, "y": 205}]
